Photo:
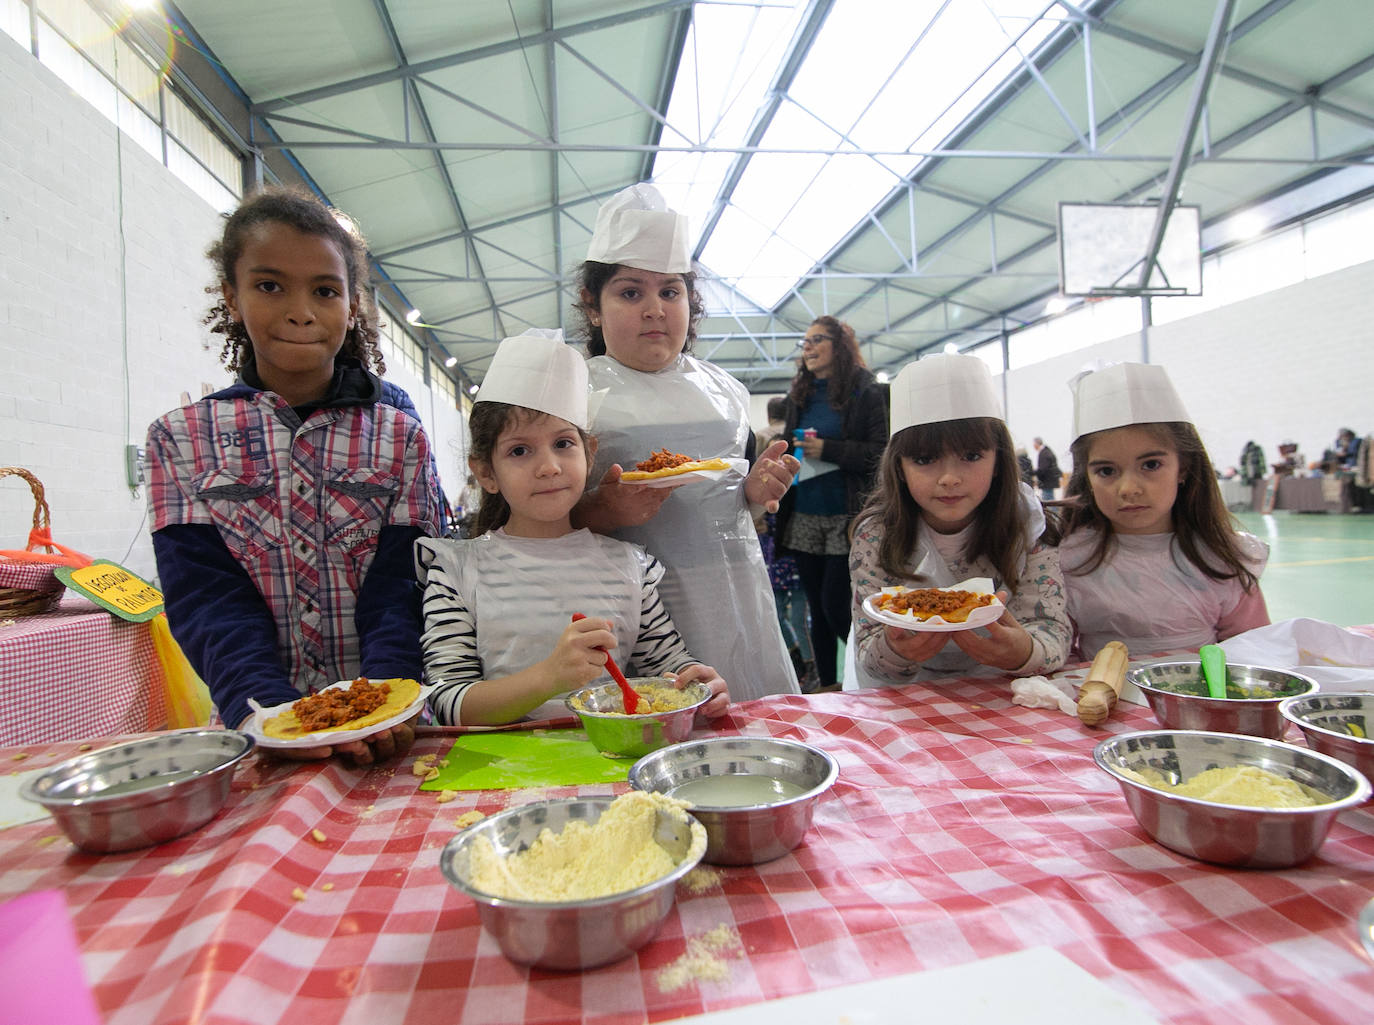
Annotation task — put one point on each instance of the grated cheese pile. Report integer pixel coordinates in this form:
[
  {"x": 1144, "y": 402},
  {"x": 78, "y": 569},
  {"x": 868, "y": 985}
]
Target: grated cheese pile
[
  {"x": 1245, "y": 785},
  {"x": 704, "y": 960},
  {"x": 701, "y": 879},
  {"x": 615, "y": 854}
]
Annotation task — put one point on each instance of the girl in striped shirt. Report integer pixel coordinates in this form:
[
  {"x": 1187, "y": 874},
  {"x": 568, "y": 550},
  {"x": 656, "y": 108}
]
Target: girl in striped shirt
[{"x": 499, "y": 642}]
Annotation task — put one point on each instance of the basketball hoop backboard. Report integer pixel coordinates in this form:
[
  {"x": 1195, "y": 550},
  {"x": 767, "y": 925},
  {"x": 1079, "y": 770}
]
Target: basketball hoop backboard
[{"x": 1102, "y": 245}]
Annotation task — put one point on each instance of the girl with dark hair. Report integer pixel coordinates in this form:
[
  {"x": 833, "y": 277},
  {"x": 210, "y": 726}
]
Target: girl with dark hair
[
  {"x": 841, "y": 410},
  {"x": 950, "y": 506},
  {"x": 285, "y": 507},
  {"x": 499, "y": 640},
  {"x": 639, "y": 302},
  {"x": 1151, "y": 555}
]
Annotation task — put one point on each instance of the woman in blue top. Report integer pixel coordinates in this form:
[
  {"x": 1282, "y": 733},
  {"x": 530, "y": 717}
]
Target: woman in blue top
[{"x": 835, "y": 395}]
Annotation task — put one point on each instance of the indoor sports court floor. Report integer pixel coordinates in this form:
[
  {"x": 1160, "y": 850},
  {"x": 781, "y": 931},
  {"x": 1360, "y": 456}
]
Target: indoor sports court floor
[{"x": 1321, "y": 565}]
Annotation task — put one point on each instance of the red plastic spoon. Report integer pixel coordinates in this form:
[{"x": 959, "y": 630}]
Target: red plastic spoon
[{"x": 627, "y": 693}]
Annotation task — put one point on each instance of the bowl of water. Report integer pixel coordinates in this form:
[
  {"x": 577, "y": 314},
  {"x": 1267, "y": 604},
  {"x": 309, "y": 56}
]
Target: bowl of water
[{"x": 756, "y": 796}]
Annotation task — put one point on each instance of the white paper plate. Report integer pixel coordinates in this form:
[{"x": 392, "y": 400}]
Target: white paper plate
[
  {"x": 675, "y": 479},
  {"x": 253, "y": 727},
  {"x": 907, "y": 621}
]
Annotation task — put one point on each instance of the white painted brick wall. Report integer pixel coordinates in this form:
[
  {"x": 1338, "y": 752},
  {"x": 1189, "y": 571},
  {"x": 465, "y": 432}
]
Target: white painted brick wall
[
  {"x": 68, "y": 405},
  {"x": 1295, "y": 363}
]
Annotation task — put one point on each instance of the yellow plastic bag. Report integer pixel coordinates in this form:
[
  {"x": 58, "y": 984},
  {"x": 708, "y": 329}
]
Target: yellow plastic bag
[{"x": 188, "y": 699}]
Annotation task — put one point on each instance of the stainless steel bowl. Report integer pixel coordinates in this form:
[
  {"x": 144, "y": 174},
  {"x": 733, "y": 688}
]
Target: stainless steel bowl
[
  {"x": 1325, "y": 720},
  {"x": 602, "y": 711},
  {"x": 569, "y": 934},
  {"x": 142, "y": 792},
  {"x": 1178, "y": 696},
  {"x": 1223, "y": 833},
  {"x": 748, "y": 834}
]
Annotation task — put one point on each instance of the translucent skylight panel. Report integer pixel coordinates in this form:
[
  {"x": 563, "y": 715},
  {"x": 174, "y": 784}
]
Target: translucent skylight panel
[
  {"x": 729, "y": 60},
  {"x": 879, "y": 77},
  {"x": 854, "y": 55}
]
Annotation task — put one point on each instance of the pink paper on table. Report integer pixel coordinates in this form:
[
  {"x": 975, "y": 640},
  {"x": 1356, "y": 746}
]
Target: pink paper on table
[{"x": 41, "y": 982}]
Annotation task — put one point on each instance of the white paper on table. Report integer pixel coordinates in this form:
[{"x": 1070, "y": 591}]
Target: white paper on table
[
  {"x": 1038, "y": 986},
  {"x": 1337, "y": 658},
  {"x": 14, "y": 810},
  {"x": 814, "y": 468}
]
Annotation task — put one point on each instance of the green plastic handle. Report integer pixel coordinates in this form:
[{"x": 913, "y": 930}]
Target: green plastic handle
[{"x": 1214, "y": 669}]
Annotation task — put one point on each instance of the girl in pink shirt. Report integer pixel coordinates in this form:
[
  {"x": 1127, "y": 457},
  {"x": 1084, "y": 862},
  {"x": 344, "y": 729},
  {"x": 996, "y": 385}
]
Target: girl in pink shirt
[{"x": 1151, "y": 556}]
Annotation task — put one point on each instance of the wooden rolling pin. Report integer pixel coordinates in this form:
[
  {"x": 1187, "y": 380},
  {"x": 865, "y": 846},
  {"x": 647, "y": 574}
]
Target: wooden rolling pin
[{"x": 1100, "y": 690}]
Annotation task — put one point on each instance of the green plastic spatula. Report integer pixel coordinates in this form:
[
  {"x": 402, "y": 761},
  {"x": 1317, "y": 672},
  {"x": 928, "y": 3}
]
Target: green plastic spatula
[{"x": 1214, "y": 669}]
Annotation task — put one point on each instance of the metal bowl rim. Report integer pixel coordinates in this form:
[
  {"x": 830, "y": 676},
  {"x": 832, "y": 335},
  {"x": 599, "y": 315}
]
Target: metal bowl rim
[
  {"x": 832, "y": 773},
  {"x": 466, "y": 836},
  {"x": 1311, "y": 684},
  {"x": 1285, "y": 709},
  {"x": 29, "y": 788},
  {"x": 702, "y": 689},
  {"x": 1362, "y": 785}
]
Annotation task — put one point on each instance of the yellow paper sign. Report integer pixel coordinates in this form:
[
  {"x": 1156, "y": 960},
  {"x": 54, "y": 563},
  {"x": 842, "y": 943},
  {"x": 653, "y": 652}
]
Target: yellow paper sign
[{"x": 116, "y": 589}]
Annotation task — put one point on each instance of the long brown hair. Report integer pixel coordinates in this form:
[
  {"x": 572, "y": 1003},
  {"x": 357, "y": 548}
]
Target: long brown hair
[
  {"x": 1204, "y": 529},
  {"x": 591, "y": 279},
  {"x": 999, "y": 528},
  {"x": 296, "y": 208},
  {"x": 486, "y": 422},
  {"x": 846, "y": 367}
]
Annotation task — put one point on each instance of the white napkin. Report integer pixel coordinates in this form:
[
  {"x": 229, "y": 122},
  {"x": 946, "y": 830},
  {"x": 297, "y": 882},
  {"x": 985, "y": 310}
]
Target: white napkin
[{"x": 1041, "y": 692}]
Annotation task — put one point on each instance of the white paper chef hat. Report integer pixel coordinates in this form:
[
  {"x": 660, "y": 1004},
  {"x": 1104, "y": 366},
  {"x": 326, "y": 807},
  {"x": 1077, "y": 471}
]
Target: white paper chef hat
[
  {"x": 635, "y": 228},
  {"x": 538, "y": 371},
  {"x": 946, "y": 386},
  {"x": 1121, "y": 394}
]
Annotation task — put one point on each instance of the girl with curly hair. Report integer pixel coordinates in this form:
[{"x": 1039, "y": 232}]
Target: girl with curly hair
[{"x": 285, "y": 507}]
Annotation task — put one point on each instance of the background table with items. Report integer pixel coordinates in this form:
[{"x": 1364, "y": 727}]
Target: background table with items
[
  {"x": 78, "y": 672},
  {"x": 961, "y": 827},
  {"x": 1305, "y": 494}
]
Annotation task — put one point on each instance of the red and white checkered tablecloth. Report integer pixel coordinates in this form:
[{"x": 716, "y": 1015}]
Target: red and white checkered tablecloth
[
  {"x": 961, "y": 827},
  {"x": 76, "y": 673}
]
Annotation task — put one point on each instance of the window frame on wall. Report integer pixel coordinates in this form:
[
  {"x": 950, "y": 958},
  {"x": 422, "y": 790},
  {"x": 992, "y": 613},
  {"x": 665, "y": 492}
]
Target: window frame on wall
[{"x": 77, "y": 42}]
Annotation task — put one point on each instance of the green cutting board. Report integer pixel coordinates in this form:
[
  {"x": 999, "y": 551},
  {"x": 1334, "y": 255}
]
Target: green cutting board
[{"x": 526, "y": 758}]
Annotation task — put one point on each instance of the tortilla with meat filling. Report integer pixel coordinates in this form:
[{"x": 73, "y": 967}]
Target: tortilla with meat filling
[
  {"x": 327, "y": 706},
  {"x": 669, "y": 464},
  {"x": 926, "y": 602}
]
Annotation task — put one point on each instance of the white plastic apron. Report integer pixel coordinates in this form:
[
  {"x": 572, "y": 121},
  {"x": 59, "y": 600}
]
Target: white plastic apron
[
  {"x": 523, "y": 591},
  {"x": 1147, "y": 595},
  {"x": 716, "y": 586}
]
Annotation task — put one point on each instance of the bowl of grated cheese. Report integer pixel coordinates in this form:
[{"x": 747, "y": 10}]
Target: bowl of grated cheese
[
  {"x": 575, "y": 883},
  {"x": 1231, "y": 799}
]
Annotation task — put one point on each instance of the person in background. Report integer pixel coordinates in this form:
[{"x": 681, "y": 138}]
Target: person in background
[
  {"x": 499, "y": 641},
  {"x": 777, "y": 426},
  {"x": 640, "y": 306},
  {"x": 788, "y": 595},
  {"x": 949, "y": 507},
  {"x": 285, "y": 507},
  {"x": 1047, "y": 470},
  {"x": 1341, "y": 456},
  {"x": 1023, "y": 464},
  {"x": 841, "y": 408},
  {"x": 1252, "y": 467},
  {"x": 1151, "y": 555}
]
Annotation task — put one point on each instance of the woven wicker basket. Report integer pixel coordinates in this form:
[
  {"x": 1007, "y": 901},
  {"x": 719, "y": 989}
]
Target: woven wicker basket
[{"x": 28, "y": 588}]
